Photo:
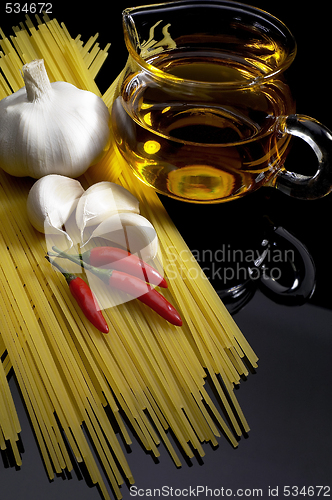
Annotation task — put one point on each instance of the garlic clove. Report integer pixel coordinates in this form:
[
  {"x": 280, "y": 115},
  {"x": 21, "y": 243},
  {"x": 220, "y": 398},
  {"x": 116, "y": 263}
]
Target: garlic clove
[
  {"x": 131, "y": 231},
  {"x": 57, "y": 237},
  {"x": 102, "y": 200},
  {"x": 51, "y": 201}
]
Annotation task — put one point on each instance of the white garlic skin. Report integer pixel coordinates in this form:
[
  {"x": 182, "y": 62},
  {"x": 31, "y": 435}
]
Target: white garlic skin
[
  {"x": 102, "y": 200},
  {"x": 51, "y": 201},
  {"x": 64, "y": 132},
  {"x": 132, "y": 231}
]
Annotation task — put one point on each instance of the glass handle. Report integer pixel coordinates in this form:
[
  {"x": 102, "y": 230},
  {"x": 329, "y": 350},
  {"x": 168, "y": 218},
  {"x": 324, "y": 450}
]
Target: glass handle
[{"x": 320, "y": 139}]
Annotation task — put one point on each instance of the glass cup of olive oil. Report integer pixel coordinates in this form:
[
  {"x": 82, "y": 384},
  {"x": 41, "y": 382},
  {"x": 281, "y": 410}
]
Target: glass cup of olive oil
[{"x": 202, "y": 110}]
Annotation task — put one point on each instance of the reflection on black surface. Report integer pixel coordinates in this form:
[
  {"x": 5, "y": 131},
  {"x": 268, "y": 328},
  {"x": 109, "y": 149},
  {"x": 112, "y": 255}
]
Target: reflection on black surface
[
  {"x": 260, "y": 241},
  {"x": 284, "y": 271}
]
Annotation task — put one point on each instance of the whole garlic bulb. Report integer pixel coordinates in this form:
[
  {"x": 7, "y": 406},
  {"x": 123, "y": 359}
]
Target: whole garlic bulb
[
  {"x": 51, "y": 201},
  {"x": 51, "y": 128}
]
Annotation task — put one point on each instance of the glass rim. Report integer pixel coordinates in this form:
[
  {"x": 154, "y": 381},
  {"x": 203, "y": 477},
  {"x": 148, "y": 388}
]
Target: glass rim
[{"x": 127, "y": 16}]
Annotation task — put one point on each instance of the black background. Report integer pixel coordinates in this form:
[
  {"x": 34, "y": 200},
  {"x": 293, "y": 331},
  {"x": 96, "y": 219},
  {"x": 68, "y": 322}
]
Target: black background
[{"x": 288, "y": 402}]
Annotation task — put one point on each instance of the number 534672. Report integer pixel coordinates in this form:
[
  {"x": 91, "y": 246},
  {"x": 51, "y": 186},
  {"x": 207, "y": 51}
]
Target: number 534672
[{"x": 28, "y": 8}]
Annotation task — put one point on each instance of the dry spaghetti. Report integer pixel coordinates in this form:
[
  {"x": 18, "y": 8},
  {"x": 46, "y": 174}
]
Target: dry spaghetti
[{"x": 151, "y": 372}]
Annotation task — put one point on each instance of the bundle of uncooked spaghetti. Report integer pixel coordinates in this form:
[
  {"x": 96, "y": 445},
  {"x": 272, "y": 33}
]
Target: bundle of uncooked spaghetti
[{"x": 145, "y": 369}]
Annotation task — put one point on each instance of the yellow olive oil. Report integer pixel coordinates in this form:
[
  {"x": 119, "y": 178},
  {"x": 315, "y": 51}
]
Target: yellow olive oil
[{"x": 206, "y": 128}]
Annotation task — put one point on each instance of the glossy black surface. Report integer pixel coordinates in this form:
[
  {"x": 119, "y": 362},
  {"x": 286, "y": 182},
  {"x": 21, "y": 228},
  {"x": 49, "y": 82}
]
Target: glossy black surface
[{"x": 288, "y": 402}]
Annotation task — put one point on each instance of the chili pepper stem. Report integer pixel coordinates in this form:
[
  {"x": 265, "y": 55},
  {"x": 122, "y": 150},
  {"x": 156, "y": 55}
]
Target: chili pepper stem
[
  {"x": 122, "y": 260},
  {"x": 69, "y": 276},
  {"x": 85, "y": 256},
  {"x": 103, "y": 274}
]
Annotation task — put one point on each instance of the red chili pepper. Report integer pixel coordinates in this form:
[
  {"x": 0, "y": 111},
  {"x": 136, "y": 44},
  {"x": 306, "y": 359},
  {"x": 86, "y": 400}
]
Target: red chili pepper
[
  {"x": 85, "y": 298},
  {"x": 122, "y": 260},
  {"x": 143, "y": 292},
  {"x": 133, "y": 286}
]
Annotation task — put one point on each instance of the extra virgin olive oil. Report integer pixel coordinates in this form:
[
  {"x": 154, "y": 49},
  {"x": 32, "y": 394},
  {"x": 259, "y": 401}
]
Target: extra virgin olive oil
[{"x": 208, "y": 135}]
